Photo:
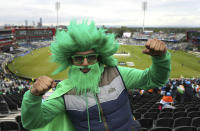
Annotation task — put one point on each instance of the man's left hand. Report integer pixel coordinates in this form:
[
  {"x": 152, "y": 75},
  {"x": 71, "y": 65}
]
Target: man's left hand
[{"x": 155, "y": 47}]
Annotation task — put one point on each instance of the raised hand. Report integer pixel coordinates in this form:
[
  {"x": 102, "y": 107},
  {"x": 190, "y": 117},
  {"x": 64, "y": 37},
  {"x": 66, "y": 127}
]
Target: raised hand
[
  {"x": 42, "y": 85},
  {"x": 155, "y": 47}
]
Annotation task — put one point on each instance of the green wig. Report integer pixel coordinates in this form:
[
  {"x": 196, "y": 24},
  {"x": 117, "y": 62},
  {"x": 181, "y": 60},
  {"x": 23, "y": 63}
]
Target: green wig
[{"x": 83, "y": 37}]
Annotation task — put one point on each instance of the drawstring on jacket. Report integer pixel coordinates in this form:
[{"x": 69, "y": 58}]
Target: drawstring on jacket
[
  {"x": 98, "y": 109},
  {"x": 88, "y": 115}
]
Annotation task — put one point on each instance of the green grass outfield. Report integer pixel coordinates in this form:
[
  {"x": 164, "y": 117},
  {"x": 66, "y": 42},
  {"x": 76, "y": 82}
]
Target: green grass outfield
[{"x": 37, "y": 63}]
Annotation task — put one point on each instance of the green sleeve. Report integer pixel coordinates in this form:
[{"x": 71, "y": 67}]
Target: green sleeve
[
  {"x": 35, "y": 113},
  {"x": 154, "y": 76}
]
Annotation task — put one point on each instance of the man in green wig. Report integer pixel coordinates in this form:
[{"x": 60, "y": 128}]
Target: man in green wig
[{"x": 94, "y": 97}]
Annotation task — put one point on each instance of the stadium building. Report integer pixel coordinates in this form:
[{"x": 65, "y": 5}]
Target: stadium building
[
  {"x": 10, "y": 36},
  {"x": 194, "y": 38}
]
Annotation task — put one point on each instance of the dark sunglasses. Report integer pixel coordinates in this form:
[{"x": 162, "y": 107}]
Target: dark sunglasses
[{"x": 79, "y": 59}]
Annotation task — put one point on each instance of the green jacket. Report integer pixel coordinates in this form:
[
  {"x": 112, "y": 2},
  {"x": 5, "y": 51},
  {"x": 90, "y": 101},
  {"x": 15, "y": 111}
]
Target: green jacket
[{"x": 51, "y": 115}]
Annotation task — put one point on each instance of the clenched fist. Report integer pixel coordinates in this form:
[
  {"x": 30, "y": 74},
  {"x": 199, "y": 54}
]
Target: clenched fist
[
  {"x": 155, "y": 47},
  {"x": 42, "y": 85}
]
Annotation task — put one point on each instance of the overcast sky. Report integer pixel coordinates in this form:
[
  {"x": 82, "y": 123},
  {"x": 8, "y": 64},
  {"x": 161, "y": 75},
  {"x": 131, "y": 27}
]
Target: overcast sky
[{"x": 103, "y": 12}]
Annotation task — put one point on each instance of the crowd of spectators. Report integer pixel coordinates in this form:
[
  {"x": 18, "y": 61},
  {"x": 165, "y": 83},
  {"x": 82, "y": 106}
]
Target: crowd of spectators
[{"x": 11, "y": 84}]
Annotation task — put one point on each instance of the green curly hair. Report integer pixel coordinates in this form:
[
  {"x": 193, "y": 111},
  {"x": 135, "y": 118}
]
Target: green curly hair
[{"x": 83, "y": 37}]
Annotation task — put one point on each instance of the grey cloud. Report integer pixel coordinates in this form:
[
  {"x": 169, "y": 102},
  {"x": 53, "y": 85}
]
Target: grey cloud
[{"x": 103, "y": 11}]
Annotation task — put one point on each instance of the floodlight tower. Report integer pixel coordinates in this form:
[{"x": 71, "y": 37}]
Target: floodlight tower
[
  {"x": 57, "y": 5},
  {"x": 144, "y": 8}
]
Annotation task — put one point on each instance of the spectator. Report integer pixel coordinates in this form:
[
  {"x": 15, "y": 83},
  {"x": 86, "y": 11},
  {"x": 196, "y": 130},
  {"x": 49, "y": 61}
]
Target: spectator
[
  {"x": 95, "y": 95},
  {"x": 188, "y": 92},
  {"x": 180, "y": 94},
  {"x": 167, "y": 101}
]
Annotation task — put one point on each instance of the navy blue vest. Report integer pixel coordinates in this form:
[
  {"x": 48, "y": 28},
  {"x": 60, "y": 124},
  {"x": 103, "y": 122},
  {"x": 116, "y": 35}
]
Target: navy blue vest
[{"x": 114, "y": 105}]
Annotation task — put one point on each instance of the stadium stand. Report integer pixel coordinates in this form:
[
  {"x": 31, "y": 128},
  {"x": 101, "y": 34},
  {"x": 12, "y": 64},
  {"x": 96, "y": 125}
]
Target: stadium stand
[
  {"x": 146, "y": 123},
  {"x": 167, "y": 110},
  {"x": 152, "y": 115},
  {"x": 9, "y": 126},
  {"x": 186, "y": 128},
  {"x": 194, "y": 114},
  {"x": 12, "y": 89},
  {"x": 196, "y": 122},
  {"x": 154, "y": 110},
  {"x": 179, "y": 114},
  {"x": 165, "y": 122},
  {"x": 192, "y": 109},
  {"x": 161, "y": 129},
  {"x": 152, "y": 118},
  {"x": 165, "y": 115},
  {"x": 178, "y": 109},
  {"x": 141, "y": 110},
  {"x": 182, "y": 121}
]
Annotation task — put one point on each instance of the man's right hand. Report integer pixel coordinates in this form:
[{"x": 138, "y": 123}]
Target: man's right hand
[
  {"x": 155, "y": 47},
  {"x": 42, "y": 85}
]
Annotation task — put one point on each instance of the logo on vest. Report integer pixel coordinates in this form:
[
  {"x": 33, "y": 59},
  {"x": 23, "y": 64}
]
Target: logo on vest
[{"x": 111, "y": 90}]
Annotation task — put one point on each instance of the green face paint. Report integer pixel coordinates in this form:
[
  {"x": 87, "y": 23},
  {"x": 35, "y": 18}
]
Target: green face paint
[{"x": 85, "y": 82}]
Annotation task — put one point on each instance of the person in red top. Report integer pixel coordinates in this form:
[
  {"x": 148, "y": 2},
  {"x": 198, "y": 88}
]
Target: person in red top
[{"x": 167, "y": 101}]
